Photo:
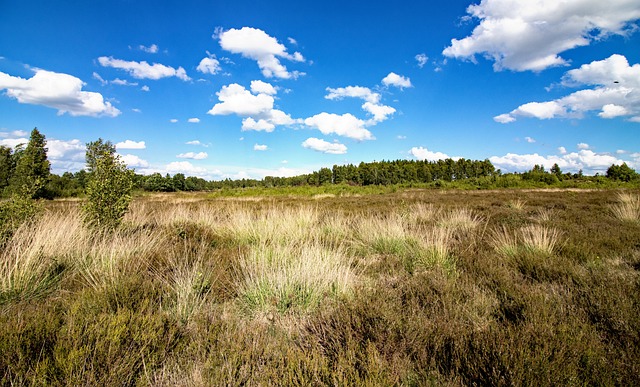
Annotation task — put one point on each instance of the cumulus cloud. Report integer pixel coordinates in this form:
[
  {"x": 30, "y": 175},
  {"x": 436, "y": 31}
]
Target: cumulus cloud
[
  {"x": 257, "y": 109},
  {"x": 525, "y": 35},
  {"x": 615, "y": 93},
  {"x": 372, "y": 106},
  {"x": 193, "y": 120},
  {"x": 422, "y": 60},
  {"x": 193, "y": 155},
  {"x": 186, "y": 168},
  {"x": 173, "y": 120},
  {"x": 209, "y": 66},
  {"x": 354, "y": 92},
  {"x": 530, "y": 140},
  {"x": 324, "y": 146},
  {"x": 259, "y": 125},
  {"x": 379, "y": 112},
  {"x": 259, "y": 147},
  {"x": 562, "y": 150},
  {"x": 129, "y": 144},
  {"x": 583, "y": 145},
  {"x": 421, "y": 153},
  {"x": 133, "y": 161},
  {"x": 396, "y": 80},
  {"x": 257, "y": 45},
  {"x": 143, "y": 70},
  {"x": 145, "y": 88},
  {"x": 59, "y": 91},
  {"x": 587, "y": 160},
  {"x": 345, "y": 125},
  {"x": 260, "y": 87}
]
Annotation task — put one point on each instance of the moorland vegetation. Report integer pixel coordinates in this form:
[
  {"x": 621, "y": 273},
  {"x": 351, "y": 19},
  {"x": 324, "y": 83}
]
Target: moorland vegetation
[{"x": 332, "y": 285}]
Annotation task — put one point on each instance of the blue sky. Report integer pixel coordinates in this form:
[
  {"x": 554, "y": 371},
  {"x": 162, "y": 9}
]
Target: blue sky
[{"x": 254, "y": 88}]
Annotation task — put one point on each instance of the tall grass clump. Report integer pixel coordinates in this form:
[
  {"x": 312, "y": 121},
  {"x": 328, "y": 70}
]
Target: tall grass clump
[
  {"x": 33, "y": 260},
  {"x": 435, "y": 251},
  {"x": 292, "y": 278},
  {"x": 540, "y": 238},
  {"x": 627, "y": 208},
  {"x": 278, "y": 225},
  {"x": 461, "y": 219},
  {"x": 189, "y": 274},
  {"x": 532, "y": 238}
]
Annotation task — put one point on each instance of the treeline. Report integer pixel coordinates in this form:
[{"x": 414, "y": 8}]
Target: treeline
[{"x": 26, "y": 164}]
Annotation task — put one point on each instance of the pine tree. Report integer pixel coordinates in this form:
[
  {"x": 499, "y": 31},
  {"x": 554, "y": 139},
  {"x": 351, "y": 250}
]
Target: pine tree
[{"x": 32, "y": 168}]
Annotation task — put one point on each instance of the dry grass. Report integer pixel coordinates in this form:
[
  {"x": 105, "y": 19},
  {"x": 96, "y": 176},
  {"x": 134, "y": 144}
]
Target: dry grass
[
  {"x": 399, "y": 288},
  {"x": 627, "y": 208},
  {"x": 280, "y": 279}
]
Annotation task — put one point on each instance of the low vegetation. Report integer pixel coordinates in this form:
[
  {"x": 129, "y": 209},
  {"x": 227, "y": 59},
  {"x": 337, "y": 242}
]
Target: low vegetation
[{"x": 412, "y": 287}]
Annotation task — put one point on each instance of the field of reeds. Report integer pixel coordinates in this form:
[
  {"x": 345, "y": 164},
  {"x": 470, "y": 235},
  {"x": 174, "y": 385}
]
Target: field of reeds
[{"x": 414, "y": 287}]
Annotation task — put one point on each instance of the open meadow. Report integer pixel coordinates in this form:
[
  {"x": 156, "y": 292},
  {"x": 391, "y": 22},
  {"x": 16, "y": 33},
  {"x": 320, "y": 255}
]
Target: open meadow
[{"x": 413, "y": 287}]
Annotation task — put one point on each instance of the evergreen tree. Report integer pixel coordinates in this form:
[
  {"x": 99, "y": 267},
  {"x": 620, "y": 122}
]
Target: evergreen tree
[
  {"x": 32, "y": 167},
  {"x": 7, "y": 166}
]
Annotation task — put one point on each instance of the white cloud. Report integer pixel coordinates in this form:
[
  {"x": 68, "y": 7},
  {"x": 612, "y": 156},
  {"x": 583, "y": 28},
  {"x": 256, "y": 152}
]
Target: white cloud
[
  {"x": 504, "y": 118},
  {"x": 145, "y": 88},
  {"x": 258, "y": 147},
  {"x": 586, "y": 160},
  {"x": 526, "y": 35},
  {"x": 371, "y": 106},
  {"x": 583, "y": 145},
  {"x": 260, "y": 87},
  {"x": 345, "y": 125},
  {"x": 122, "y": 82},
  {"x": 133, "y": 161},
  {"x": 58, "y": 91},
  {"x": 152, "y": 49},
  {"x": 255, "y": 44},
  {"x": 193, "y": 120},
  {"x": 197, "y": 142},
  {"x": 325, "y": 147},
  {"x": 401, "y": 137},
  {"x": 612, "y": 111},
  {"x": 257, "y": 108},
  {"x": 193, "y": 156},
  {"x": 396, "y": 80},
  {"x": 186, "y": 168},
  {"x": 421, "y": 153},
  {"x": 235, "y": 99},
  {"x": 354, "y": 92},
  {"x": 143, "y": 70},
  {"x": 99, "y": 78},
  {"x": 562, "y": 150},
  {"x": 260, "y": 125},
  {"x": 529, "y": 140},
  {"x": 422, "y": 60},
  {"x": 129, "y": 144},
  {"x": 379, "y": 112},
  {"x": 173, "y": 120},
  {"x": 209, "y": 66},
  {"x": 615, "y": 93}
]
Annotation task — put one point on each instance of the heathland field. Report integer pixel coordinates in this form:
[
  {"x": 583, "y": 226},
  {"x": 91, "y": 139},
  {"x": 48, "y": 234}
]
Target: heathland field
[{"x": 414, "y": 287}]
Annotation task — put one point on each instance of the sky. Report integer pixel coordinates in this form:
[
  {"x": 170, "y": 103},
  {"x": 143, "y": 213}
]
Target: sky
[{"x": 247, "y": 89}]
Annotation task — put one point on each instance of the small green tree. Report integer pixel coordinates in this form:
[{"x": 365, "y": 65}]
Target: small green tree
[{"x": 108, "y": 188}]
